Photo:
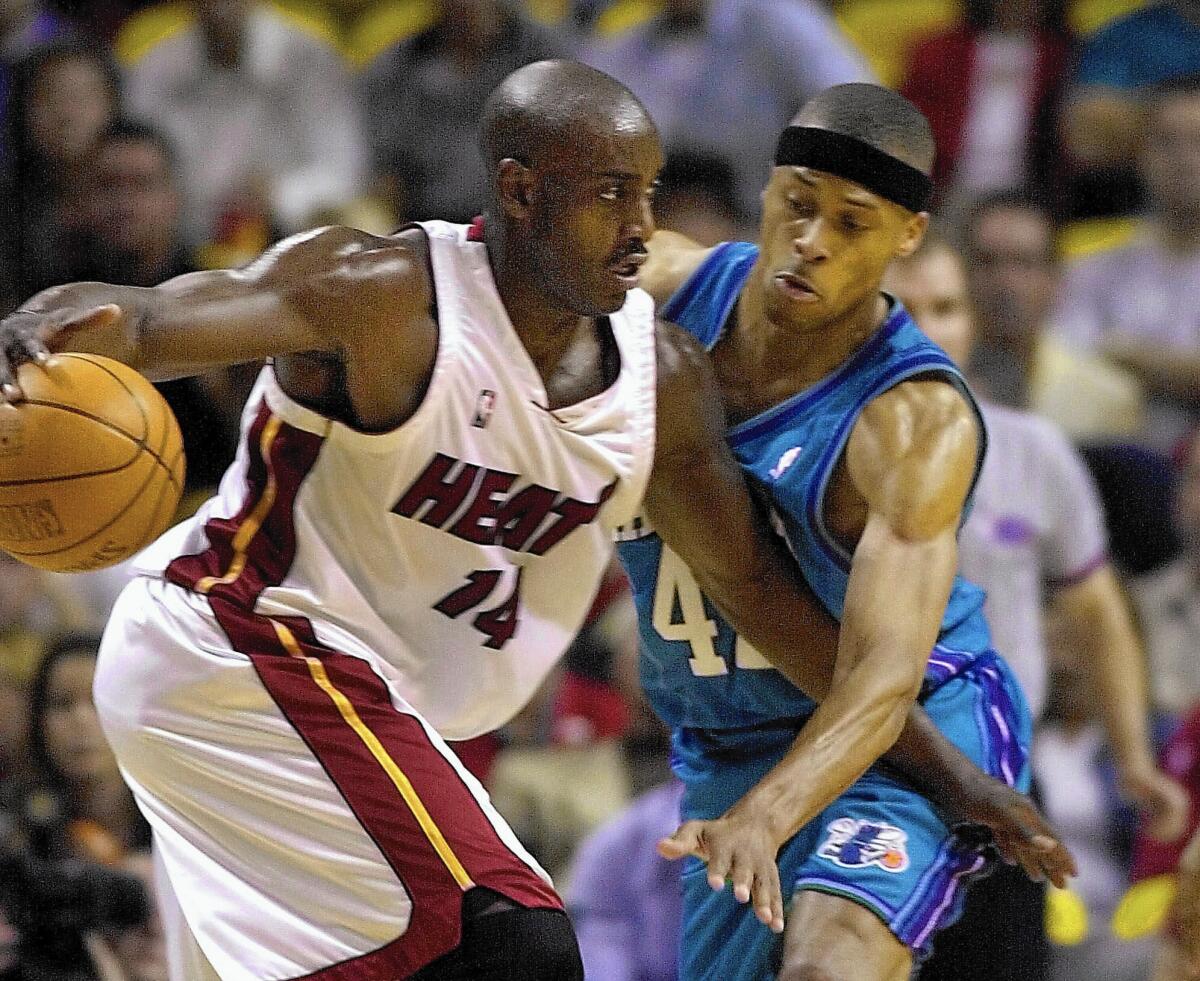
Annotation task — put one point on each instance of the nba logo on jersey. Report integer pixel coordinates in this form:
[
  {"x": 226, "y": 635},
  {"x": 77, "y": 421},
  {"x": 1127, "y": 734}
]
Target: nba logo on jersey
[
  {"x": 856, "y": 844},
  {"x": 484, "y": 405}
]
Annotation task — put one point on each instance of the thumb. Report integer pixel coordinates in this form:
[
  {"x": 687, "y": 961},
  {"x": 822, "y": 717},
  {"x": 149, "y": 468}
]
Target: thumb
[
  {"x": 686, "y": 840},
  {"x": 92, "y": 318}
]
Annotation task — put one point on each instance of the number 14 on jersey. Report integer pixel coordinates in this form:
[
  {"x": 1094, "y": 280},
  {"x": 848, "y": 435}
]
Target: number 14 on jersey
[{"x": 677, "y": 590}]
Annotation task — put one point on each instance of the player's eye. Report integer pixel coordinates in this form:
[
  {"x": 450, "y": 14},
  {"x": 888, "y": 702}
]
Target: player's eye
[
  {"x": 611, "y": 193},
  {"x": 799, "y": 206},
  {"x": 852, "y": 224}
]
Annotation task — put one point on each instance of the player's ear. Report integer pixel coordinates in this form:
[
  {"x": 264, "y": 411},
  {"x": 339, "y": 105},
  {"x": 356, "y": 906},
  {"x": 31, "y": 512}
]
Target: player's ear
[
  {"x": 912, "y": 234},
  {"x": 515, "y": 183}
]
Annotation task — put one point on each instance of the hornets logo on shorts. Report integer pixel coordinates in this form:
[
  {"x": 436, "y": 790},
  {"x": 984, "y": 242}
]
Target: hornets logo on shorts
[{"x": 856, "y": 844}]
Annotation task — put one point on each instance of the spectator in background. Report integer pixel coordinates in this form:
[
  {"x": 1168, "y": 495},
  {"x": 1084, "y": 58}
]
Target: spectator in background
[
  {"x": 1036, "y": 527},
  {"x": 1019, "y": 360},
  {"x": 1103, "y": 115},
  {"x": 263, "y": 116},
  {"x": 135, "y": 238},
  {"x": 721, "y": 78},
  {"x": 70, "y": 753},
  {"x": 624, "y": 897},
  {"x": 423, "y": 99},
  {"x": 695, "y": 198},
  {"x": 990, "y": 90},
  {"x": 1168, "y": 601},
  {"x": 1022, "y": 362},
  {"x": 1139, "y": 304},
  {"x": 62, "y": 98},
  {"x": 24, "y": 26}
]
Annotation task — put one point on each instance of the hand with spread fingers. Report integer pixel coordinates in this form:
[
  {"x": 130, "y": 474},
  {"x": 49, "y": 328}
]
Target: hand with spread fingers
[
  {"x": 739, "y": 849},
  {"x": 27, "y": 335},
  {"x": 1022, "y": 835}
]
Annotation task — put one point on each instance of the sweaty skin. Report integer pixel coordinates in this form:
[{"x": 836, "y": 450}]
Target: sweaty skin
[
  {"x": 895, "y": 501},
  {"x": 350, "y": 320}
]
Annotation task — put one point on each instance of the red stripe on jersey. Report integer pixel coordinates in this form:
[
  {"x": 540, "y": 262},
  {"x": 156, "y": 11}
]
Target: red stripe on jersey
[
  {"x": 252, "y": 551},
  {"x": 274, "y": 474},
  {"x": 435, "y": 927}
]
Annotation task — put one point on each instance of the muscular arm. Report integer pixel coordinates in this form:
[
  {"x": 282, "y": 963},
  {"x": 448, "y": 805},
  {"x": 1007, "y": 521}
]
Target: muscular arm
[
  {"x": 698, "y": 503},
  {"x": 331, "y": 290},
  {"x": 910, "y": 457}
]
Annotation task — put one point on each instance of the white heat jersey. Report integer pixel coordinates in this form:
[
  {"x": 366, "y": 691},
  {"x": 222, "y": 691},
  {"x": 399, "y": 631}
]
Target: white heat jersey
[{"x": 458, "y": 553}]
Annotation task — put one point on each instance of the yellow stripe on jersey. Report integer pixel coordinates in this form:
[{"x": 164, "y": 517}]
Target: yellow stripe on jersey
[
  {"x": 382, "y": 757},
  {"x": 249, "y": 528}
]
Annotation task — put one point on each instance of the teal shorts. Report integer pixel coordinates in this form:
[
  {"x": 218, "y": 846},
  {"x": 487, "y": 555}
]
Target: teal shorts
[{"x": 880, "y": 844}]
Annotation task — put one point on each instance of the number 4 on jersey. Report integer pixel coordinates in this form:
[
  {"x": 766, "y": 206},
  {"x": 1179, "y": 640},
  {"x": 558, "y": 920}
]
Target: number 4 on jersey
[
  {"x": 499, "y": 622},
  {"x": 676, "y": 589}
]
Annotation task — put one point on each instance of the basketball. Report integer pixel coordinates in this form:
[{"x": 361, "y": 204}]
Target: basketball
[{"x": 91, "y": 464}]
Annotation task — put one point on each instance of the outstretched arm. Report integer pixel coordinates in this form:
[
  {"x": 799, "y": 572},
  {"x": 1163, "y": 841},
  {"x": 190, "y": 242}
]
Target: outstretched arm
[
  {"x": 331, "y": 290},
  {"x": 699, "y": 504},
  {"x": 910, "y": 457}
]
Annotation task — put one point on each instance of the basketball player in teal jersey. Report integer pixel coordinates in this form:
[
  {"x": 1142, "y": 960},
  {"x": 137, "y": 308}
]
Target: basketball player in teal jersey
[{"x": 866, "y": 444}]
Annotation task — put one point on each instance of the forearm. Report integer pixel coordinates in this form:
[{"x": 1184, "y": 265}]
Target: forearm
[
  {"x": 922, "y": 754},
  {"x": 850, "y": 730},
  {"x": 1098, "y": 613}
]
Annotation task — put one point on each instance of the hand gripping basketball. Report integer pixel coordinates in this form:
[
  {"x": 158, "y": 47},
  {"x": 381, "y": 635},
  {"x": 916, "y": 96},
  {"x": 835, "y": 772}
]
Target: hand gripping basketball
[
  {"x": 25, "y": 336},
  {"x": 91, "y": 458}
]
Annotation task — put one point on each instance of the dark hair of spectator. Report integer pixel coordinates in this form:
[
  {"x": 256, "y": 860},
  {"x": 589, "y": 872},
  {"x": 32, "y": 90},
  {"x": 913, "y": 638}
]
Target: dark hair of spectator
[
  {"x": 876, "y": 115},
  {"x": 23, "y": 157},
  {"x": 1004, "y": 199},
  {"x": 693, "y": 172},
  {"x": 981, "y": 15},
  {"x": 75, "y": 644},
  {"x": 125, "y": 130}
]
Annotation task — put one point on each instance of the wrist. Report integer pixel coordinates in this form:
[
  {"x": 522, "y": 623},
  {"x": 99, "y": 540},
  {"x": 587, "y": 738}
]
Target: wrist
[{"x": 755, "y": 809}]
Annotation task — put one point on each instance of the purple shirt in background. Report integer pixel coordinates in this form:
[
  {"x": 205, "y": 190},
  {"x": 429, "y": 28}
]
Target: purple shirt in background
[
  {"x": 624, "y": 898},
  {"x": 1037, "y": 523}
]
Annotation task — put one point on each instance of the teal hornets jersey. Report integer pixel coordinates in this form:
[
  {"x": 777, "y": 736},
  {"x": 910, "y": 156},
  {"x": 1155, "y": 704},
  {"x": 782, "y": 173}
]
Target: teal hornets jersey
[{"x": 696, "y": 671}]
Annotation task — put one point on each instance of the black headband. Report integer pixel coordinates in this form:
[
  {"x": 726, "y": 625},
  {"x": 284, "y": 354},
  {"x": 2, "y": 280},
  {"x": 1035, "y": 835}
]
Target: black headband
[{"x": 851, "y": 158}]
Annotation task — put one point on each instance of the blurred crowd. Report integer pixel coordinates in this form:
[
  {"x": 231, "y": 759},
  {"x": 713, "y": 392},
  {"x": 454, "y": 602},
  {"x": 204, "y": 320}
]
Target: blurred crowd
[{"x": 140, "y": 141}]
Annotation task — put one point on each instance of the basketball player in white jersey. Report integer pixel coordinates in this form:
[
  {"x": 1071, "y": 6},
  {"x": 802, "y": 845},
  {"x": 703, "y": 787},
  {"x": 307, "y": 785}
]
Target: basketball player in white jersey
[{"x": 453, "y": 423}]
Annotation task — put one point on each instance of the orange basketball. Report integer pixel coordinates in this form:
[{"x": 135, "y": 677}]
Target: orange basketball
[{"x": 91, "y": 464}]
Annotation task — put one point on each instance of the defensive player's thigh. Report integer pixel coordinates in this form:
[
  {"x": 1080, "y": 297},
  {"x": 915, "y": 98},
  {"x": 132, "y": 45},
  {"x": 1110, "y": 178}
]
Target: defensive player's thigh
[
  {"x": 836, "y": 938},
  {"x": 721, "y": 939},
  {"x": 884, "y": 848}
]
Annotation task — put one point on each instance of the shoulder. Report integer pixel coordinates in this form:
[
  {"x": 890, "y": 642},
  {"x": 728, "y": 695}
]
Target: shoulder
[
  {"x": 673, "y": 258},
  {"x": 904, "y": 416},
  {"x": 682, "y": 360},
  {"x": 337, "y": 266},
  {"x": 912, "y": 454}
]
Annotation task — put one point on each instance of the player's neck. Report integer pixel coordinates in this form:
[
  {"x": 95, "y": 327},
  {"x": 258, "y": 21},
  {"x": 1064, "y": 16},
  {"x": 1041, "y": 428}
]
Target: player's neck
[
  {"x": 783, "y": 354},
  {"x": 545, "y": 328}
]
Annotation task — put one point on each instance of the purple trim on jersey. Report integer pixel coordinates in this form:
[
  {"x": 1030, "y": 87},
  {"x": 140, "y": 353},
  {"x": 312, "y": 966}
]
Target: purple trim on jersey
[
  {"x": 944, "y": 663},
  {"x": 785, "y": 411},
  {"x": 1007, "y": 759},
  {"x": 933, "y": 918},
  {"x": 1082, "y": 573}
]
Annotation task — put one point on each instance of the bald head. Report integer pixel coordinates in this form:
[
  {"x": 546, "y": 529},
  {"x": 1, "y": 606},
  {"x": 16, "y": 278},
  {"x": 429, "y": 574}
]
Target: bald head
[
  {"x": 555, "y": 109},
  {"x": 874, "y": 115}
]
